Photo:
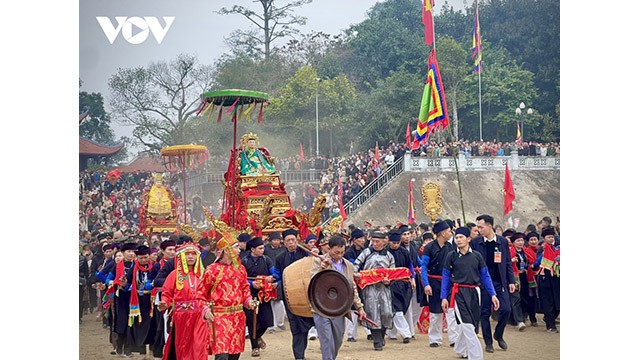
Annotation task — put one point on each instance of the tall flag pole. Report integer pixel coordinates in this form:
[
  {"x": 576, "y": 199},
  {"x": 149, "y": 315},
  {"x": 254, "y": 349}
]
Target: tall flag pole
[
  {"x": 411, "y": 215},
  {"x": 427, "y": 20},
  {"x": 477, "y": 62},
  {"x": 433, "y": 108},
  {"x": 376, "y": 161}
]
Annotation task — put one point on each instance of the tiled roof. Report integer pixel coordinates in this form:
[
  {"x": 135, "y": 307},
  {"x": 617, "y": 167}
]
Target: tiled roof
[
  {"x": 144, "y": 163},
  {"x": 88, "y": 147}
]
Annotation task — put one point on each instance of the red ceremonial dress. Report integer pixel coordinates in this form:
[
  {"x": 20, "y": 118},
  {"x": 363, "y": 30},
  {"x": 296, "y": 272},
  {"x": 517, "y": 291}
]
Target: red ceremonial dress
[
  {"x": 227, "y": 289},
  {"x": 190, "y": 332}
]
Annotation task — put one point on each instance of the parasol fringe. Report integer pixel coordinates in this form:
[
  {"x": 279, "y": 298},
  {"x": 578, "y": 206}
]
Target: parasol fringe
[
  {"x": 201, "y": 107},
  {"x": 233, "y": 106},
  {"x": 260, "y": 116}
]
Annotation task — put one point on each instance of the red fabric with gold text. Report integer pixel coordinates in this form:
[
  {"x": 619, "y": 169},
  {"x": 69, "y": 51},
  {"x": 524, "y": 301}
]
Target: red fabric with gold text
[{"x": 374, "y": 276}]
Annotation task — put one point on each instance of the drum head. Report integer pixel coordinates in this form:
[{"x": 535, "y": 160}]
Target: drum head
[{"x": 330, "y": 293}]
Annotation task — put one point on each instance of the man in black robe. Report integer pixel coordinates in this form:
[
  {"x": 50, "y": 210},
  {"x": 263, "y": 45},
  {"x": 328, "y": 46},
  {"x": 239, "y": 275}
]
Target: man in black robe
[
  {"x": 401, "y": 292},
  {"x": 300, "y": 325},
  {"x": 259, "y": 265}
]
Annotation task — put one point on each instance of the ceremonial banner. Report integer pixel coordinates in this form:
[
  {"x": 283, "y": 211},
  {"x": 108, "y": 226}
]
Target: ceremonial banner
[
  {"x": 266, "y": 290},
  {"x": 509, "y": 192},
  {"x": 433, "y": 108},
  {"x": 374, "y": 276}
]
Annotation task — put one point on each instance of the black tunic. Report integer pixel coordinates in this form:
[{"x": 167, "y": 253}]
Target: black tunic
[
  {"x": 401, "y": 290},
  {"x": 299, "y": 324},
  {"x": 258, "y": 266},
  {"x": 436, "y": 256},
  {"x": 468, "y": 269}
]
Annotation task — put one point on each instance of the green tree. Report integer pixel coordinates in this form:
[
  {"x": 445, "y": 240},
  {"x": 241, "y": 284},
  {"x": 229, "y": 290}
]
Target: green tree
[
  {"x": 294, "y": 109},
  {"x": 390, "y": 39},
  {"x": 244, "y": 72},
  {"x": 97, "y": 125},
  {"x": 159, "y": 99},
  {"x": 271, "y": 23},
  {"x": 453, "y": 64},
  {"x": 383, "y": 114},
  {"x": 504, "y": 85}
]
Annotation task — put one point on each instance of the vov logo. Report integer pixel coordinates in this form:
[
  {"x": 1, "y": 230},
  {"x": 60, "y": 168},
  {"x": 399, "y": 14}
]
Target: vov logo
[{"x": 126, "y": 25}]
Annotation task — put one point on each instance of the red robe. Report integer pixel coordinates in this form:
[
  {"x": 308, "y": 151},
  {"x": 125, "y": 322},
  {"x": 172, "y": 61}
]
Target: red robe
[
  {"x": 227, "y": 288},
  {"x": 190, "y": 332}
]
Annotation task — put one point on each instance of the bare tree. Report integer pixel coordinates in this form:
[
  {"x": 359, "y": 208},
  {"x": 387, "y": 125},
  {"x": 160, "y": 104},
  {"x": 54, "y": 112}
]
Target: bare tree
[
  {"x": 273, "y": 23},
  {"x": 158, "y": 100}
]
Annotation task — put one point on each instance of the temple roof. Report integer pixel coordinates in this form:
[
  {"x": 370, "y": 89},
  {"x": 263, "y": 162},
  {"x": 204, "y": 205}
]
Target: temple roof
[
  {"x": 144, "y": 163},
  {"x": 91, "y": 148}
]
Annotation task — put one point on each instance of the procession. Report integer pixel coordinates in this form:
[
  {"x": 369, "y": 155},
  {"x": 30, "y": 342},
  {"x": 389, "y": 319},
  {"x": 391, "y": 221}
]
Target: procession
[{"x": 229, "y": 225}]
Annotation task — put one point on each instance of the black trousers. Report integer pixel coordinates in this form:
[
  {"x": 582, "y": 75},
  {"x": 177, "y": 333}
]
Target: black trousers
[
  {"x": 378, "y": 337},
  {"x": 300, "y": 327},
  {"x": 550, "y": 296},
  {"x": 503, "y": 313},
  {"x": 527, "y": 299}
]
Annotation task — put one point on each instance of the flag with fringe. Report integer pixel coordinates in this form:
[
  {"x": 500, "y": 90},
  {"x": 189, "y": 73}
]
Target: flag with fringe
[{"x": 433, "y": 108}]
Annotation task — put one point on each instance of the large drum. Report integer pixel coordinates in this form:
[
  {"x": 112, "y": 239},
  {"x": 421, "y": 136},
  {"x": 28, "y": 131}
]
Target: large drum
[
  {"x": 295, "y": 281},
  {"x": 329, "y": 292}
]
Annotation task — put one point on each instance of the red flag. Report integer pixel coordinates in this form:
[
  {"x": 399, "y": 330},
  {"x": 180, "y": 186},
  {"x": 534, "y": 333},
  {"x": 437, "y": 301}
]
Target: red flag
[
  {"x": 509, "y": 192},
  {"x": 477, "y": 44},
  {"x": 427, "y": 20},
  {"x": 408, "y": 135},
  {"x": 301, "y": 153},
  {"x": 343, "y": 213}
]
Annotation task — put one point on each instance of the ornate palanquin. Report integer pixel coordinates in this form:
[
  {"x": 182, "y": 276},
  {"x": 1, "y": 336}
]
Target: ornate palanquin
[{"x": 158, "y": 209}]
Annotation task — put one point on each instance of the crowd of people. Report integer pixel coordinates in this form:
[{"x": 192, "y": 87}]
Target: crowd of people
[
  {"x": 173, "y": 296},
  {"x": 457, "y": 277}
]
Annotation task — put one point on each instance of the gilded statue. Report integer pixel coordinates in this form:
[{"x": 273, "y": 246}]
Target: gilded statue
[{"x": 254, "y": 161}]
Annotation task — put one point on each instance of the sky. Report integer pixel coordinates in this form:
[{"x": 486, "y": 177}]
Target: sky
[{"x": 196, "y": 29}]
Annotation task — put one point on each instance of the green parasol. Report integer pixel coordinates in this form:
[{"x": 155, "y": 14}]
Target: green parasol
[{"x": 235, "y": 101}]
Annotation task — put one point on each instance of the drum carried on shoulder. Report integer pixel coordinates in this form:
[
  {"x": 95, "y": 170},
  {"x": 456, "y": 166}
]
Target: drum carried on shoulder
[{"x": 328, "y": 293}]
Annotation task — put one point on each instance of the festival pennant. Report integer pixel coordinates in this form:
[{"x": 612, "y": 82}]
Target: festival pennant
[
  {"x": 477, "y": 44},
  {"x": 427, "y": 20},
  {"x": 433, "y": 108}
]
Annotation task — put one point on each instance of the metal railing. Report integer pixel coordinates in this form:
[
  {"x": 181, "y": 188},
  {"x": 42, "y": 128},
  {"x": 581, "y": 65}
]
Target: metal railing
[
  {"x": 286, "y": 176},
  {"x": 373, "y": 188}
]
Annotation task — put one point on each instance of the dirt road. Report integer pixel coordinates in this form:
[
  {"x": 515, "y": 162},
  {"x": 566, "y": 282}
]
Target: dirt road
[{"x": 531, "y": 344}]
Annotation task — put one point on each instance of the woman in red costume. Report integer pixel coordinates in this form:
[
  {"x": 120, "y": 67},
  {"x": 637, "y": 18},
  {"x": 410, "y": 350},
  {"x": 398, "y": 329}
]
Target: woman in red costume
[
  {"x": 189, "y": 336},
  {"x": 226, "y": 288}
]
